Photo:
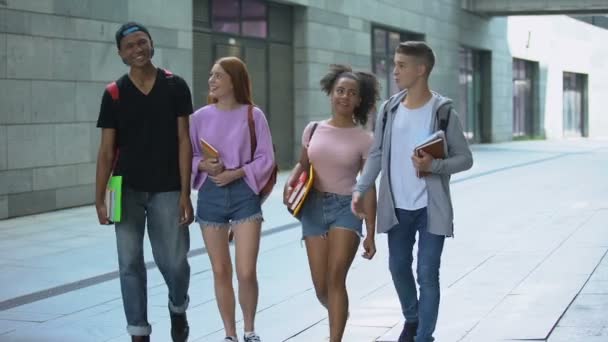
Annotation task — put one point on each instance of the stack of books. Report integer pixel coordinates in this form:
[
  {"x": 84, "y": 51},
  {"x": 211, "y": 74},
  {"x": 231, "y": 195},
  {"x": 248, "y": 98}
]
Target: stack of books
[{"x": 300, "y": 191}]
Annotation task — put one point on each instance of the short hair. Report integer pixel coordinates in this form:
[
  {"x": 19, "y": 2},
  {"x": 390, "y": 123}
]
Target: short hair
[
  {"x": 419, "y": 50},
  {"x": 237, "y": 70},
  {"x": 368, "y": 88}
]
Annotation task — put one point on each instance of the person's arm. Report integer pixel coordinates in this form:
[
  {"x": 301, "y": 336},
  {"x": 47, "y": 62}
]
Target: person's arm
[
  {"x": 369, "y": 206},
  {"x": 185, "y": 154},
  {"x": 106, "y": 154},
  {"x": 302, "y": 164},
  {"x": 105, "y": 160},
  {"x": 373, "y": 163},
  {"x": 293, "y": 176},
  {"x": 197, "y": 155},
  {"x": 183, "y": 110}
]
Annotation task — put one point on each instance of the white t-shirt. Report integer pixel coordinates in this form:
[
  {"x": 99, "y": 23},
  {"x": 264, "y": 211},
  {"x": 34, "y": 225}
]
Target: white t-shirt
[{"x": 410, "y": 127}]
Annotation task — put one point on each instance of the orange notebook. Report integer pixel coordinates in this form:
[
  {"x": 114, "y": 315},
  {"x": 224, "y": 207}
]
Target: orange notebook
[
  {"x": 300, "y": 191},
  {"x": 433, "y": 145},
  {"x": 208, "y": 150}
]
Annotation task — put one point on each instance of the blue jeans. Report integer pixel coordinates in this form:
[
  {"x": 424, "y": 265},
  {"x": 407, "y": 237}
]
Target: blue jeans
[
  {"x": 323, "y": 211},
  {"x": 401, "y": 239},
  {"x": 225, "y": 206},
  {"x": 170, "y": 244}
]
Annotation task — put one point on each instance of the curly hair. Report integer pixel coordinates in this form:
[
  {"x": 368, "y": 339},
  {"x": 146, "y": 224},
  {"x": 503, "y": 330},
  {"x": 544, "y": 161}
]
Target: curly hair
[{"x": 368, "y": 88}]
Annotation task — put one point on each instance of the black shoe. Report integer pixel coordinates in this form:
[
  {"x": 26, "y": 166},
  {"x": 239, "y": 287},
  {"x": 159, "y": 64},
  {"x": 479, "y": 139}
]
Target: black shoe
[
  {"x": 140, "y": 338},
  {"x": 179, "y": 327},
  {"x": 409, "y": 332}
]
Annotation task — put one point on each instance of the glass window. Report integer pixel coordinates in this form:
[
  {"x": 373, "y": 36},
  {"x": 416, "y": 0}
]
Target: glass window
[
  {"x": 574, "y": 106},
  {"x": 241, "y": 17},
  {"x": 467, "y": 93},
  {"x": 254, "y": 19},
  {"x": 200, "y": 14},
  {"x": 394, "y": 39},
  {"x": 226, "y": 16},
  {"x": 522, "y": 98},
  {"x": 379, "y": 41},
  {"x": 384, "y": 43}
]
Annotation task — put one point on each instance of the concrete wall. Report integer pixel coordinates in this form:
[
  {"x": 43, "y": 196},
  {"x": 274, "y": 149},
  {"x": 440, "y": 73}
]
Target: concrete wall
[{"x": 55, "y": 58}]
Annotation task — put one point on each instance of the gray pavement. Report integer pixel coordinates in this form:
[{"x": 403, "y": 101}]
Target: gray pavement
[{"x": 528, "y": 263}]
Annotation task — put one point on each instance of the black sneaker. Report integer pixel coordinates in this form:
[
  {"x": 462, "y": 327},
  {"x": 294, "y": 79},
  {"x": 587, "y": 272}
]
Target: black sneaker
[
  {"x": 140, "y": 338},
  {"x": 179, "y": 327},
  {"x": 409, "y": 332}
]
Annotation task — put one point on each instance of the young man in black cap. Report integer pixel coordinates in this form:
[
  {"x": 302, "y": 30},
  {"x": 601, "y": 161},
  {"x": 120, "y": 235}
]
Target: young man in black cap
[{"x": 145, "y": 139}]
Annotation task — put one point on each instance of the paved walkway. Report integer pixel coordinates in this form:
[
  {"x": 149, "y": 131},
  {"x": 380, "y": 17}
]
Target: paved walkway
[{"x": 528, "y": 263}]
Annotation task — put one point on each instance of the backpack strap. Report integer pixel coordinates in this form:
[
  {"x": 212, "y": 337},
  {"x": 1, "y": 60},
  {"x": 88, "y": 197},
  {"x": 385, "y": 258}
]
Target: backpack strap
[
  {"x": 443, "y": 117},
  {"x": 170, "y": 77},
  {"x": 112, "y": 89},
  {"x": 252, "y": 137},
  {"x": 312, "y": 131}
]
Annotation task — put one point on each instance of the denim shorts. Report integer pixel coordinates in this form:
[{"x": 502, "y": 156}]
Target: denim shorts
[
  {"x": 222, "y": 207},
  {"x": 323, "y": 211}
]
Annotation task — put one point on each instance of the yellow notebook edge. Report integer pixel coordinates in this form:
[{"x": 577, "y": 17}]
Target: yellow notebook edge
[{"x": 308, "y": 187}]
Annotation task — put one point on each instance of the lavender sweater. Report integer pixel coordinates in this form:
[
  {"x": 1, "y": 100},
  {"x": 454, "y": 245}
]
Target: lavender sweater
[{"x": 228, "y": 132}]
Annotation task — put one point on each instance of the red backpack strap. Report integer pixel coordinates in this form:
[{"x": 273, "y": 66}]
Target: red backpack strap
[
  {"x": 251, "y": 123},
  {"x": 112, "y": 89},
  {"x": 168, "y": 73}
]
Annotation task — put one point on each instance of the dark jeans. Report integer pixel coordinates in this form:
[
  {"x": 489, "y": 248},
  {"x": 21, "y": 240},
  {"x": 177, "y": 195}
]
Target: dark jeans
[
  {"x": 401, "y": 239},
  {"x": 170, "y": 245}
]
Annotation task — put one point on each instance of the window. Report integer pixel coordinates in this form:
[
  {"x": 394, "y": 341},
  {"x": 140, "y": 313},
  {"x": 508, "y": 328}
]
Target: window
[
  {"x": 474, "y": 105},
  {"x": 468, "y": 91},
  {"x": 574, "y": 102},
  {"x": 523, "y": 97},
  {"x": 384, "y": 43},
  {"x": 240, "y": 17}
]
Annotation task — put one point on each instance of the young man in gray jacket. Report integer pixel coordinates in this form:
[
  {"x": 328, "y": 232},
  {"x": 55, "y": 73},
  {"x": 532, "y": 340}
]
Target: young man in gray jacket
[{"x": 408, "y": 204}]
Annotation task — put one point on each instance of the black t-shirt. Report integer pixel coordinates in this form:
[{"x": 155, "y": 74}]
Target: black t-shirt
[{"x": 146, "y": 131}]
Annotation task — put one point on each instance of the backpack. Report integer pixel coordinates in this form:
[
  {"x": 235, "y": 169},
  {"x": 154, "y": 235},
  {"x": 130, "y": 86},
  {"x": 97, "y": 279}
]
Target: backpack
[
  {"x": 114, "y": 92},
  {"x": 267, "y": 188}
]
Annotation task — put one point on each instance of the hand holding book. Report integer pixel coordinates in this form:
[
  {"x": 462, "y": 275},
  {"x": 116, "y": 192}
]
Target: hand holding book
[
  {"x": 429, "y": 149},
  {"x": 211, "y": 162}
]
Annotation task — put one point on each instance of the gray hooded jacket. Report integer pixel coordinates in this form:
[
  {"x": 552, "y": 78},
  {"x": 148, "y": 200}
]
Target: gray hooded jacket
[{"x": 459, "y": 158}]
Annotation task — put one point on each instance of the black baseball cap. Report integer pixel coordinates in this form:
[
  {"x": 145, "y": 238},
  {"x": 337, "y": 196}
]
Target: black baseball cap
[{"x": 128, "y": 28}]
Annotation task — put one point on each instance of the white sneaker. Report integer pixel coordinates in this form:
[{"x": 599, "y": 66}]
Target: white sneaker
[{"x": 230, "y": 339}]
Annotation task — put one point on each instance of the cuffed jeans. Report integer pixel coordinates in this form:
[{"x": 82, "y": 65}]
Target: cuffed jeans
[
  {"x": 170, "y": 244},
  {"x": 401, "y": 239}
]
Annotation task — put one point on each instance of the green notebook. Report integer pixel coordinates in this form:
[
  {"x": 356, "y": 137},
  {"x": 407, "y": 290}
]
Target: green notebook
[{"x": 114, "y": 199}]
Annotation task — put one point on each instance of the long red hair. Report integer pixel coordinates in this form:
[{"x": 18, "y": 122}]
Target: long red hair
[{"x": 237, "y": 70}]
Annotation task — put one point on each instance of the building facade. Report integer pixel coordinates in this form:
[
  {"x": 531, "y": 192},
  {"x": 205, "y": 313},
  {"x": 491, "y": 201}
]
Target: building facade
[{"x": 510, "y": 77}]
